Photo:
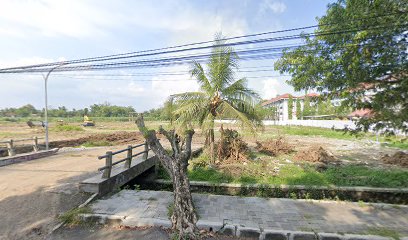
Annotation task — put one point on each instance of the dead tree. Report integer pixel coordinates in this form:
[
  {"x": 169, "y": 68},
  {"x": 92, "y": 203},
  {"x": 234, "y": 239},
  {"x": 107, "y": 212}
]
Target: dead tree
[{"x": 184, "y": 218}]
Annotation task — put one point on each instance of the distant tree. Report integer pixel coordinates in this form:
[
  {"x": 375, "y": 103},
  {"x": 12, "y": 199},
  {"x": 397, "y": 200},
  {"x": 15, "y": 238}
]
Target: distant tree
[
  {"x": 290, "y": 107},
  {"x": 268, "y": 113},
  {"x": 359, "y": 54},
  {"x": 26, "y": 111},
  {"x": 325, "y": 107},
  {"x": 298, "y": 109},
  {"x": 307, "y": 108}
]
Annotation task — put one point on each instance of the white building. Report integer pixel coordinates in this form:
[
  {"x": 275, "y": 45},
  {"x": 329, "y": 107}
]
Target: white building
[{"x": 281, "y": 104}]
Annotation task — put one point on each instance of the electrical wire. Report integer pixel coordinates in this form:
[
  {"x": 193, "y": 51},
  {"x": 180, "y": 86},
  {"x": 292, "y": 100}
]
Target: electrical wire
[{"x": 104, "y": 58}]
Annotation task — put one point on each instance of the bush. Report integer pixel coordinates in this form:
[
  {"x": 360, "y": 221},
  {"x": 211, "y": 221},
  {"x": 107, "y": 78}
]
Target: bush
[{"x": 67, "y": 128}]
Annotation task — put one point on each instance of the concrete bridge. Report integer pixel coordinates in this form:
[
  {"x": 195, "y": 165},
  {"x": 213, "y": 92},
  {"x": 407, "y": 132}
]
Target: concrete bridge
[{"x": 117, "y": 173}]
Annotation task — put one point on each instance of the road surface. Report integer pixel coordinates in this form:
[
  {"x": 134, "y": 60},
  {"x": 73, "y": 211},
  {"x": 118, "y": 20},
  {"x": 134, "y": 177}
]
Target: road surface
[{"x": 34, "y": 193}]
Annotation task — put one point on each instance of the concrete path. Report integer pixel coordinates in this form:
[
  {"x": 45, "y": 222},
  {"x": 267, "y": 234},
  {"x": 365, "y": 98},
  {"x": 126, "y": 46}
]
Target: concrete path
[
  {"x": 137, "y": 208},
  {"x": 34, "y": 193}
]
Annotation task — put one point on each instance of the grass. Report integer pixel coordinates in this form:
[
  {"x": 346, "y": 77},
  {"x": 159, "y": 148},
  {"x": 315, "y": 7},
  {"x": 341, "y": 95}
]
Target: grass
[
  {"x": 385, "y": 232},
  {"x": 67, "y": 128},
  {"x": 307, "y": 175},
  {"x": 259, "y": 171},
  {"x": 71, "y": 217},
  {"x": 391, "y": 141},
  {"x": 96, "y": 143}
]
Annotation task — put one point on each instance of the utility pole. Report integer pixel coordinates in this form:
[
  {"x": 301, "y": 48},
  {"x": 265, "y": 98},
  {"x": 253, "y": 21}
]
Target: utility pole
[{"x": 46, "y": 104}]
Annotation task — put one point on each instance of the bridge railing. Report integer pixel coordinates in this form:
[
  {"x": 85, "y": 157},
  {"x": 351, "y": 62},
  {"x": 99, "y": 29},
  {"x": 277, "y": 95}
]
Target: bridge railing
[
  {"x": 11, "y": 144},
  {"x": 109, "y": 163}
]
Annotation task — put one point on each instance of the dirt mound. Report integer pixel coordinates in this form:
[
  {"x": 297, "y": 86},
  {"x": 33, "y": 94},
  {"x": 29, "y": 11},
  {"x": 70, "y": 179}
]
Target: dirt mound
[
  {"x": 274, "y": 147},
  {"x": 399, "y": 158},
  {"x": 117, "y": 138},
  {"x": 231, "y": 148},
  {"x": 316, "y": 154}
]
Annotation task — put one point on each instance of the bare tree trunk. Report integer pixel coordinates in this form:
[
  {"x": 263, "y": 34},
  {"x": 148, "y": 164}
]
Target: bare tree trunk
[{"x": 184, "y": 218}]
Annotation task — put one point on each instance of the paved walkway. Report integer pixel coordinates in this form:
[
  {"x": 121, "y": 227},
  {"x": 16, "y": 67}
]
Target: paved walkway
[{"x": 142, "y": 207}]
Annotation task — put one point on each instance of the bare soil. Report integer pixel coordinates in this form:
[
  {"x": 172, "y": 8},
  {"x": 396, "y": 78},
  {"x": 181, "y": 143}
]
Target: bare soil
[
  {"x": 315, "y": 154},
  {"x": 34, "y": 193},
  {"x": 274, "y": 147},
  {"x": 117, "y": 138},
  {"x": 399, "y": 158}
]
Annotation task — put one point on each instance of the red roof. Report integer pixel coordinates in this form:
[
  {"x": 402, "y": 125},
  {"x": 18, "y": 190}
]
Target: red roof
[
  {"x": 277, "y": 98},
  {"x": 311, "y": 95},
  {"x": 286, "y": 96},
  {"x": 365, "y": 112}
]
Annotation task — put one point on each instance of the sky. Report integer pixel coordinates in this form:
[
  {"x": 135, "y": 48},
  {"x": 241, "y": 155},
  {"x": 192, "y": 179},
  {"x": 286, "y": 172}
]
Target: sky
[{"x": 38, "y": 31}]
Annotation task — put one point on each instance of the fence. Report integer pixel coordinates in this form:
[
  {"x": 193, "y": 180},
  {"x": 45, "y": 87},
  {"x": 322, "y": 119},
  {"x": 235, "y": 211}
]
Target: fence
[
  {"x": 11, "y": 146},
  {"x": 128, "y": 159}
]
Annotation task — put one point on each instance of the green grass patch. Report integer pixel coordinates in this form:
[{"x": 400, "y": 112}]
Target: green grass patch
[
  {"x": 366, "y": 176},
  {"x": 397, "y": 144},
  {"x": 316, "y": 131},
  {"x": 391, "y": 141},
  {"x": 96, "y": 143},
  {"x": 305, "y": 174},
  {"x": 71, "y": 217},
  {"x": 209, "y": 174},
  {"x": 170, "y": 210},
  {"x": 67, "y": 128},
  {"x": 385, "y": 232}
]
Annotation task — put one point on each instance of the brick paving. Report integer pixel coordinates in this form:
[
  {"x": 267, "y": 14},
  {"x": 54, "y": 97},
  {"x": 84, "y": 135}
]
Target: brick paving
[{"x": 139, "y": 207}]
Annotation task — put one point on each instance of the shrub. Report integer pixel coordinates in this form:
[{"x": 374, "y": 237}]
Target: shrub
[{"x": 67, "y": 128}]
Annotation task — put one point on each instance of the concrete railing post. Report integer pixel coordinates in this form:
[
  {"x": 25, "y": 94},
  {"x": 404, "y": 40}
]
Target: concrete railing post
[
  {"x": 35, "y": 145},
  {"x": 10, "y": 148},
  {"x": 128, "y": 161},
  {"x": 108, "y": 165},
  {"x": 146, "y": 151}
]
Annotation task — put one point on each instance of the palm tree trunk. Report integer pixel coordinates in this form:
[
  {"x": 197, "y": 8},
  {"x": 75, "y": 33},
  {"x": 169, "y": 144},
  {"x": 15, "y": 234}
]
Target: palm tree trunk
[{"x": 211, "y": 141}]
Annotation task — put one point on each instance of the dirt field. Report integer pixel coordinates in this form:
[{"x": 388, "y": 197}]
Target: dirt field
[{"x": 123, "y": 133}]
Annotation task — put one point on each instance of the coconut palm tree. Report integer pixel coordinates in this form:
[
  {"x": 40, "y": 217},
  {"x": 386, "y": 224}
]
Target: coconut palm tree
[{"x": 220, "y": 95}]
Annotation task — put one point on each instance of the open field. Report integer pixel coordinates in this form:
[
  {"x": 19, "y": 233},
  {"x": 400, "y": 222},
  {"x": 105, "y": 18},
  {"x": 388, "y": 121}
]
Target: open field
[{"x": 358, "y": 158}]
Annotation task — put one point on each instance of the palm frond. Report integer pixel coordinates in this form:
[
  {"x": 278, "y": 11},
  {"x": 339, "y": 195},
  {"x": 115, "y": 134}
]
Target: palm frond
[
  {"x": 198, "y": 72},
  {"x": 239, "y": 90},
  {"x": 223, "y": 62},
  {"x": 228, "y": 109}
]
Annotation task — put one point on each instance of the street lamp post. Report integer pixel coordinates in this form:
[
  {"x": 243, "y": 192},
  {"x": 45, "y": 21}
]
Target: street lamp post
[{"x": 46, "y": 104}]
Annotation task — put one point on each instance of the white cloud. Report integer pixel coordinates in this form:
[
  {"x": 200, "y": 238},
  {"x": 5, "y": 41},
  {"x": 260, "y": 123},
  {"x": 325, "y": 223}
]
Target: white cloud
[
  {"x": 275, "y": 6},
  {"x": 160, "y": 90},
  {"x": 270, "y": 88},
  {"x": 51, "y": 18}
]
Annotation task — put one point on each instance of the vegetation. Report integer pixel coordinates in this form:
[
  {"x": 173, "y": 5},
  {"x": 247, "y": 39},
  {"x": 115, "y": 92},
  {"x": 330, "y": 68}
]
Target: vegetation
[
  {"x": 220, "y": 94},
  {"x": 290, "y": 107},
  {"x": 391, "y": 141},
  {"x": 307, "y": 108},
  {"x": 291, "y": 174},
  {"x": 385, "y": 232},
  {"x": 67, "y": 128},
  {"x": 96, "y": 144},
  {"x": 298, "y": 110},
  {"x": 95, "y": 110},
  {"x": 71, "y": 217},
  {"x": 365, "y": 65}
]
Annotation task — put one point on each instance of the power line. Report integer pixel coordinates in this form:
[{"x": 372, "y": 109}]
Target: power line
[
  {"x": 161, "y": 80},
  {"x": 125, "y": 55}
]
